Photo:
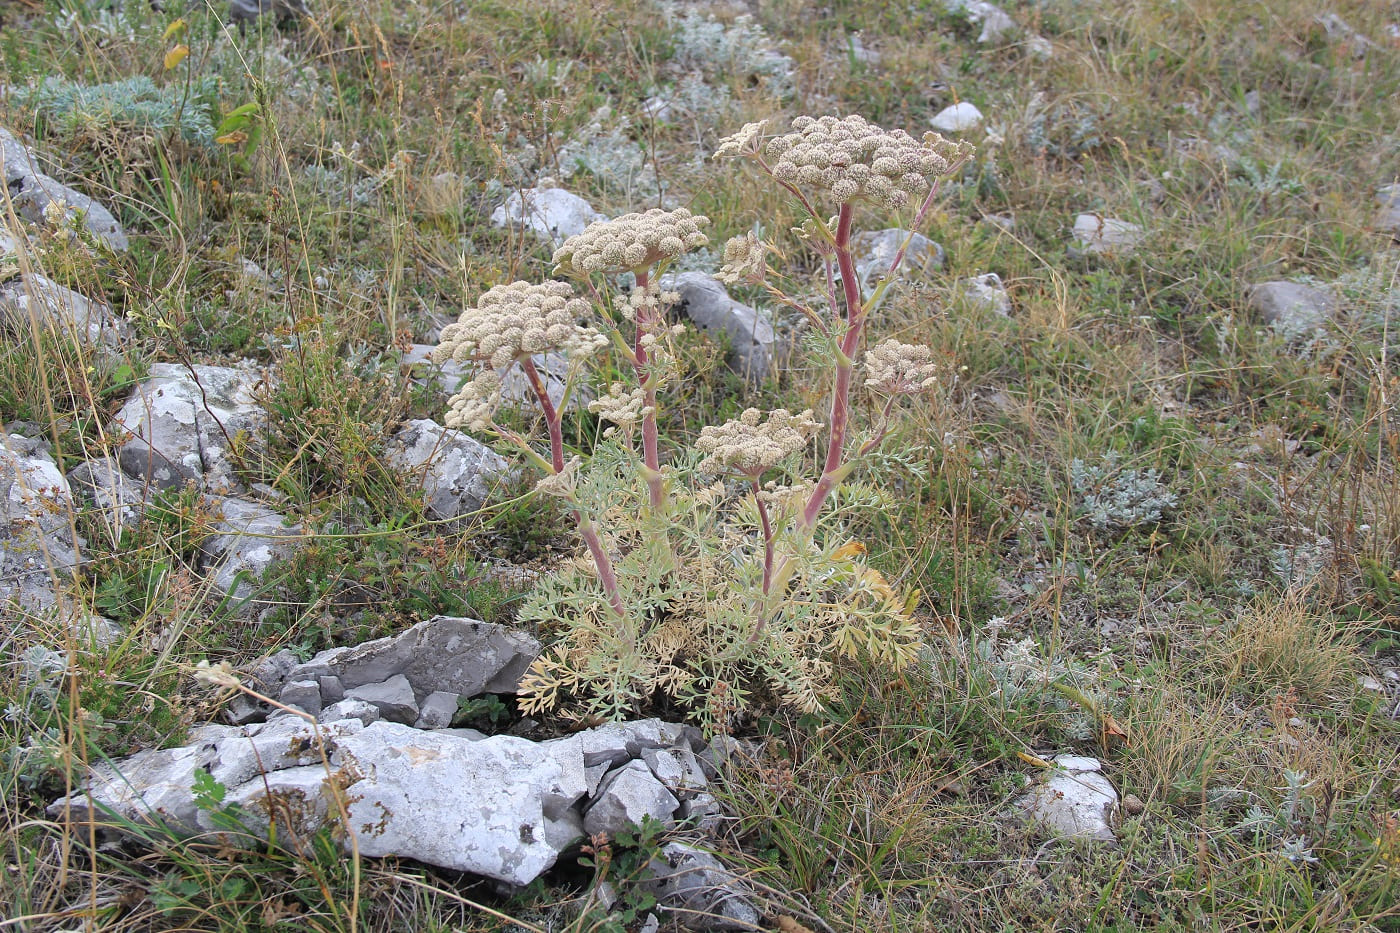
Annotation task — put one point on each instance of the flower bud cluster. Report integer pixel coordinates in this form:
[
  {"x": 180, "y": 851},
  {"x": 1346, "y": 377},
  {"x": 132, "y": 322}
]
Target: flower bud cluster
[
  {"x": 895, "y": 368},
  {"x": 851, "y": 158},
  {"x": 514, "y": 321},
  {"x": 745, "y": 446},
  {"x": 474, "y": 406},
  {"x": 744, "y": 260},
  {"x": 509, "y": 323},
  {"x": 631, "y": 242},
  {"x": 623, "y": 408}
]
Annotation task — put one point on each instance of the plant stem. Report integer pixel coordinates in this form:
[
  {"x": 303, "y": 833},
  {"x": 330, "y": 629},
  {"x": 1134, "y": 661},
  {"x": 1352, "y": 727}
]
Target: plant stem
[
  {"x": 606, "y": 575},
  {"x": 651, "y": 454},
  {"x": 854, "y": 319},
  {"x": 552, "y": 419},
  {"x": 586, "y": 529},
  {"x": 767, "y": 535}
]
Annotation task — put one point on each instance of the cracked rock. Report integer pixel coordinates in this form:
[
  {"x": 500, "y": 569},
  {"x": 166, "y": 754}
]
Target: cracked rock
[
  {"x": 34, "y": 298},
  {"x": 249, "y": 538},
  {"x": 35, "y": 194},
  {"x": 37, "y": 543},
  {"x": 701, "y": 893},
  {"x": 626, "y": 797},
  {"x": 445, "y": 653},
  {"x": 393, "y": 698},
  {"x": 873, "y": 251},
  {"x": 458, "y": 472},
  {"x": 181, "y": 421},
  {"x": 499, "y": 806}
]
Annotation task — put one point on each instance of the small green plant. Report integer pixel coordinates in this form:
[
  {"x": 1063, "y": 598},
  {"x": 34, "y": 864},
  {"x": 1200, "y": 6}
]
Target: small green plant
[
  {"x": 621, "y": 862},
  {"x": 673, "y": 606}
]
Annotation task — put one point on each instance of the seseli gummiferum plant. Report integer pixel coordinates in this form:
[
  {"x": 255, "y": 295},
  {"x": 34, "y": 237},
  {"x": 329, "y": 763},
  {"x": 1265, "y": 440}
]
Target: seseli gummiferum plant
[{"x": 709, "y": 579}]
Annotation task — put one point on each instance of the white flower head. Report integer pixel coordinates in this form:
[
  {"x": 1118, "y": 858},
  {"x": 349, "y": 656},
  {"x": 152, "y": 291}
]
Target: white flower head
[
  {"x": 631, "y": 242},
  {"x": 894, "y": 368},
  {"x": 853, "y": 159},
  {"x": 744, "y": 260},
  {"x": 749, "y": 448},
  {"x": 746, "y": 142},
  {"x": 561, "y": 484},
  {"x": 511, "y": 322},
  {"x": 623, "y": 408}
]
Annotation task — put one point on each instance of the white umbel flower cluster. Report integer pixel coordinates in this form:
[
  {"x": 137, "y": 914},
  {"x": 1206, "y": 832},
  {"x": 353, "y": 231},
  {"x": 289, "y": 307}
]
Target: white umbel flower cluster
[
  {"x": 631, "y": 242},
  {"x": 623, "y": 408},
  {"x": 749, "y": 448},
  {"x": 895, "y": 368},
  {"x": 851, "y": 158},
  {"x": 509, "y": 323},
  {"x": 745, "y": 260}
]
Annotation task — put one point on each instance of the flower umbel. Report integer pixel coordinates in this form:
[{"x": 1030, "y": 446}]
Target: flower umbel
[
  {"x": 625, "y": 409},
  {"x": 854, "y": 159},
  {"x": 746, "y": 447},
  {"x": 632, "y": 241},
  {"x": 516, "y": 320},
  {"x": 510, "y": 323},
  {"x": 894, "y": 368},
  {"x": 745, "y": 260}
]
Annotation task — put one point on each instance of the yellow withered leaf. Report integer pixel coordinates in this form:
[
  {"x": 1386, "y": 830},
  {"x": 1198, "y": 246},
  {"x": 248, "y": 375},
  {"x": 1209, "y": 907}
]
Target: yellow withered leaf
[
  {"x": 232, "y": 139},
  {"x": 177, "y": 26},
  {"x": 176, "y": 55},
  {"x": 849, "y": 550}
]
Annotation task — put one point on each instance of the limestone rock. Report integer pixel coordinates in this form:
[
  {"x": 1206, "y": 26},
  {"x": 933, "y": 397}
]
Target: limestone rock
[
  {"x": 1388, "y": 212},
  {"x": 33, "y": 195},
  {"x": 986, "y": 291},
  {"x": 180, "y": 421},
  {"x": 706, "y": 303},
  {"x": 103, "y": 487},
  {"x": 500, "y": 806},
  {"x": 360, "y": 710},
  {"x": 552, "y": 214},
  {"x": 31, "y": 192},
  {"x": 267, "y": 676},
  {"x": 873, "y": 252},
  {"x": 959, "y": 118},
  {"x": 249, "y": 538},
  {"x": 458, "y": 472},
  {"x": 626, "y": 797},
  {"x": 393, "y": 698},
  {"x": 1097, "y": 235},
  {"x": 38, "y": 299},
  {"x": 453, "y": 655},
  {"x": 703, "y": 893},
  {"x": 1292, "y": 308},
  {"x": 303, "y": 694},
  {"x": 437, "y": 710},
  {"x": 1073, "y": 799},
  {"x": 37, "y": 542},
  {"x": 996, "y": 23}
]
